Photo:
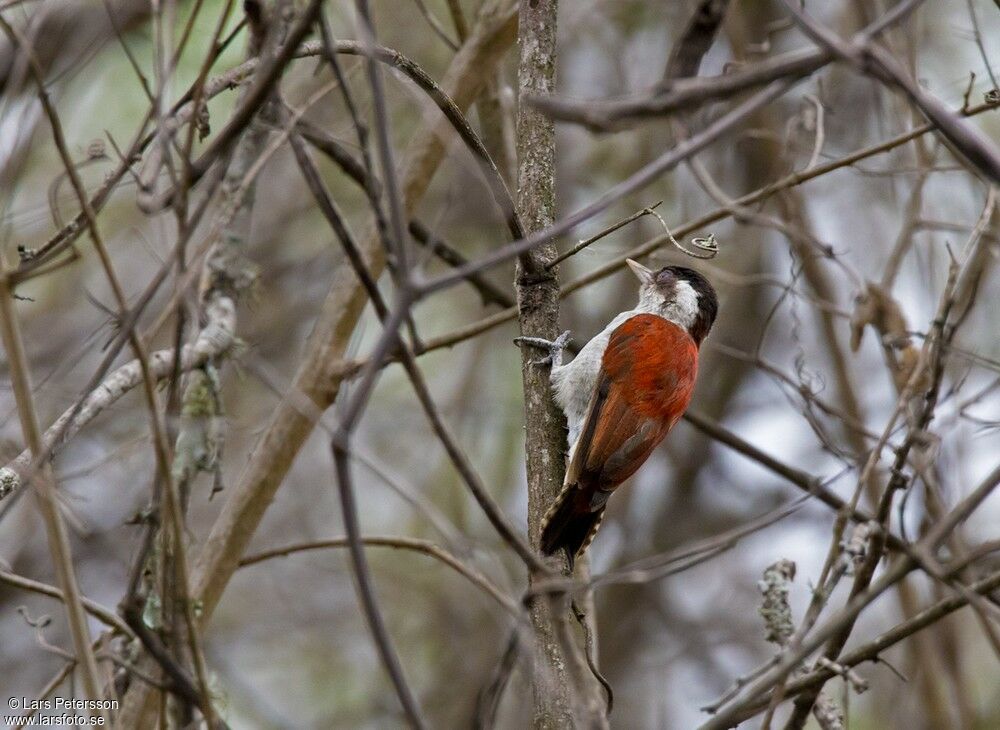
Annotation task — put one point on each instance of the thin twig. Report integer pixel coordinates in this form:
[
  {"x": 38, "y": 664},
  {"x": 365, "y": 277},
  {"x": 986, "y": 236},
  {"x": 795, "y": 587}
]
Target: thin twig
[
  {"x": 366, "y": 591},
  {"x": 584, "y": 243},
  {"x": 102, "y": 613},
  {"x": 425, "y": 547}
]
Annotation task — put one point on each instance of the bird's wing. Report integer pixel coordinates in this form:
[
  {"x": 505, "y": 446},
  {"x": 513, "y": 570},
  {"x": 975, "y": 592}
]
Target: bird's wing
[{"x": 644, "y": 386}]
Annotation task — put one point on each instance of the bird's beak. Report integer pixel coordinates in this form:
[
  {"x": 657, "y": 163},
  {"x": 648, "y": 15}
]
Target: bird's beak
[{"x": 642, "y": 273}]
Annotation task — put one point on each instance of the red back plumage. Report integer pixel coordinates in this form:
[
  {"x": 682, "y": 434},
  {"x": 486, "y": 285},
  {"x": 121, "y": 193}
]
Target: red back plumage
[
  {"x": 654, "y": 362},
  {"x": 644, "y": 386}
]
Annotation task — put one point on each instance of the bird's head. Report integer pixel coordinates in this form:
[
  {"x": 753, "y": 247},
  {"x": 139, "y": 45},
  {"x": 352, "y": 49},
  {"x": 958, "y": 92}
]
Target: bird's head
[{"x": 679, "y": 294}]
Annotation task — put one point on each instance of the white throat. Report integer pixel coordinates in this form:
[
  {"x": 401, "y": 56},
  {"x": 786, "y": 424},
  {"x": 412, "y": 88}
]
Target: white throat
[{"x": 682, "y": 309}]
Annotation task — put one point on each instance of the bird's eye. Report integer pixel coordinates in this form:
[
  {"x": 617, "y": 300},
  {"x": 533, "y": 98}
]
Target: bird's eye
[{"x": 665, "y": 277}]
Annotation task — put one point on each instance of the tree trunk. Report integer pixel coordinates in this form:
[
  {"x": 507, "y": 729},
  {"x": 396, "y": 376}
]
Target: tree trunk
[{"x": 538, "y": 315}]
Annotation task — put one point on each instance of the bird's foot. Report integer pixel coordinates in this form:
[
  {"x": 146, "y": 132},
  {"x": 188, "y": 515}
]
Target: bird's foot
[{"x": 555, "y": 348}]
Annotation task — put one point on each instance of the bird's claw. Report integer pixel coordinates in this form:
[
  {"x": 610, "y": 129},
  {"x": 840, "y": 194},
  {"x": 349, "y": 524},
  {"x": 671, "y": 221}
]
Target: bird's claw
[{"x": 555, "y": 348}]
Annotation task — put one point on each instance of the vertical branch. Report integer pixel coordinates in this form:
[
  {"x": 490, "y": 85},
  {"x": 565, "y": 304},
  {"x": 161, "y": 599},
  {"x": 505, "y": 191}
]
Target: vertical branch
[
  {"x": 226, "y": 274},
  {"x": 537, "y": 287},
  {"x": 538, "y": 316},
  {"x": 55, "y": 529},
  {"x": 397, "y": 218}
]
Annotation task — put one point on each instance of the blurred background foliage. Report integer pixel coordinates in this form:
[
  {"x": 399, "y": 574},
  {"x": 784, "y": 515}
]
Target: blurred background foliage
[{"x": 288, "y": 647}]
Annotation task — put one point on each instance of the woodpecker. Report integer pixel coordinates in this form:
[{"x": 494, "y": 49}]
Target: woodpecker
[{"x": 622, "y": 394}]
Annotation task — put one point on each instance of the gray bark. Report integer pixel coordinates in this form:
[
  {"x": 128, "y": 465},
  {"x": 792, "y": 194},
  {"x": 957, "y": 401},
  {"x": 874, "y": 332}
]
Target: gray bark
[{"x": 538, "y": 316}]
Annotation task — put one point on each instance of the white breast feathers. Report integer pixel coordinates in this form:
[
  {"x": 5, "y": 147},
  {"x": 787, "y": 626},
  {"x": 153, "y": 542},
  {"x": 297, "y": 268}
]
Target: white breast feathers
[{"x": 574, "y": 383}]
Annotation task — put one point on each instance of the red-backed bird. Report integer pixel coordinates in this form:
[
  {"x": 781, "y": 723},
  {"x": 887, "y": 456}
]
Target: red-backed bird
[{"x": 622, "y": 394}]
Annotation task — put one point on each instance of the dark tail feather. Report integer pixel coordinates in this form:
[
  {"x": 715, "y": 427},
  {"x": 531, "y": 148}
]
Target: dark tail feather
[{"x": 570, "y": 524}]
